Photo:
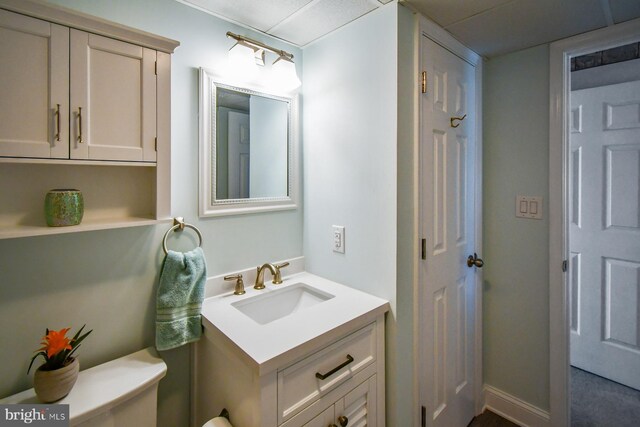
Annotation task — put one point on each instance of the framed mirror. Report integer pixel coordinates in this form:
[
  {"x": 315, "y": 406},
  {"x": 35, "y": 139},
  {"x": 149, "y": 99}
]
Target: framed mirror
[{"x": 248, "y": 144}]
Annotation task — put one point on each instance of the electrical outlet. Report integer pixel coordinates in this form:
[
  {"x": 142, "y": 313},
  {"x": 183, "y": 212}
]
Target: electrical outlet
[{"x": 338, "y": 238}]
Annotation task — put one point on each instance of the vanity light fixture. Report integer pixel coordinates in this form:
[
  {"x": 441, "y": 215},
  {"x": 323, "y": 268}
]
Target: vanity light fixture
[{"x": 247, "y": 53}]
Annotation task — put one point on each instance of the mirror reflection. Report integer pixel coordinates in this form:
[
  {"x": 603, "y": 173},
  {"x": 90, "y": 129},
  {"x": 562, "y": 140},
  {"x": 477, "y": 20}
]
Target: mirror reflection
[{"x": 251, "y": 145}]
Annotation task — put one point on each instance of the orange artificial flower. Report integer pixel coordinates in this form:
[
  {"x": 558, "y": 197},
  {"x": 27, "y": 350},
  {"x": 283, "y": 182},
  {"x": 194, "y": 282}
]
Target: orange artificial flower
[{"x": 55, "y": 342}]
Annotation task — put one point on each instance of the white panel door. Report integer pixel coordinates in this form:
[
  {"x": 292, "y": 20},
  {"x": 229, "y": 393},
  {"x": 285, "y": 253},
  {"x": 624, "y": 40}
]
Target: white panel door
[
  {"x": 605, "y": 231},
  {"x": 239, "y": 162},
  {"x": 34, "y": 87},
  {"x": 447, "y": 222},
  {"x": 113, "y": 99}
]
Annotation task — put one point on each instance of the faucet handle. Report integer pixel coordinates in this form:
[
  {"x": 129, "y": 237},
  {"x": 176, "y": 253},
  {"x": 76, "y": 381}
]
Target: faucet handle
[
  {"x": 277, "y": 278},
  {"x": 239, "y": 283}
]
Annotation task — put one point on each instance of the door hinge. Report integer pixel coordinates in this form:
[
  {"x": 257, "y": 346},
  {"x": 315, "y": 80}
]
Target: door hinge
[
  {"x": 156, "y": 143},
  {"x": 564, "y": 266},
  {"x": 423, "y": 81},
  {"x": 423, "y": 249},
  {"x": 156, "y": 68},
  {"x": 423, "y": 416}
]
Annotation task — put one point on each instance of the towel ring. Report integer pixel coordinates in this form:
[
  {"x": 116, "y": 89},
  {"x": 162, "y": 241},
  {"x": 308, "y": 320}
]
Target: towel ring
[{"x": 179, "y": 224}]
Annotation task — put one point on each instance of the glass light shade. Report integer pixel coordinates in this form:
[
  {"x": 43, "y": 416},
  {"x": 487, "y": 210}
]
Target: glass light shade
[
  {"x": 283, "y": 72},
  {"x": 242, "y": 62}
]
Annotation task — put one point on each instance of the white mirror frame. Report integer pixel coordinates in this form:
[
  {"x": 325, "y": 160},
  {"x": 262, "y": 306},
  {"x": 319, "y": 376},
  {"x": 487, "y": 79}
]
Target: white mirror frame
[{"x": 209, "y": 205}]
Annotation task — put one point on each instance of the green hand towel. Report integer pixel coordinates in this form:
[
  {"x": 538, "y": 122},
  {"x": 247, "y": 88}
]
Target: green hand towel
[{"x": 179, "y": 299}]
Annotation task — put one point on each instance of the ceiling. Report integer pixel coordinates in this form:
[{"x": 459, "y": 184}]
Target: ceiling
[{"x": 489, "y": 27}]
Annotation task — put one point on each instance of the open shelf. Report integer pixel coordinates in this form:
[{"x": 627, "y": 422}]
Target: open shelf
[
  {"x": 115, "y": 196},
  {"x": 16, "y": 231}
]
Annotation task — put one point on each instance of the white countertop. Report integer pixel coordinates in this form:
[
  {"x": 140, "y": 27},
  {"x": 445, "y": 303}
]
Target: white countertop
[{"x": 275, "y": 344}]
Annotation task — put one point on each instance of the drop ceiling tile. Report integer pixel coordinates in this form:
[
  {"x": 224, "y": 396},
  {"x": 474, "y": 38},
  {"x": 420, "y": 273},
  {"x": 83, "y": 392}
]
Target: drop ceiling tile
[
  {"x": 526, "y": 23},
  {"x": 446, "y": 12},
  {"x": 320, "y": 18},
  {"x": 624, "y": 10},
  {"x": 259, "y": 14}
]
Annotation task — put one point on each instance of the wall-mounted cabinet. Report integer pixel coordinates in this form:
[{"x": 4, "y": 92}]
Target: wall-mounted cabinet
[{"x": 84, "y": 104}]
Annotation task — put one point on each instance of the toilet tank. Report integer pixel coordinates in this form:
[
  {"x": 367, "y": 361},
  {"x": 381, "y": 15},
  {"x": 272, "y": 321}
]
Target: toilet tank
[{"x": 119, "y": 393}]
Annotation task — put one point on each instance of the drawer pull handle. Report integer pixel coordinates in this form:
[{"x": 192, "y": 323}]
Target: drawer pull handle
[{"x": 334, "y": 370}]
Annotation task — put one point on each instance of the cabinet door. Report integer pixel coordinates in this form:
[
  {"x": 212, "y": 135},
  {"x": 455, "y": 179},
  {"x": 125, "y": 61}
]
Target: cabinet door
[
  {"x": 358, "y": 407},
  {"x": 113, "y": 99},
  {"x": 34, "y": 87},
  {"x": 325, "y": 419}
]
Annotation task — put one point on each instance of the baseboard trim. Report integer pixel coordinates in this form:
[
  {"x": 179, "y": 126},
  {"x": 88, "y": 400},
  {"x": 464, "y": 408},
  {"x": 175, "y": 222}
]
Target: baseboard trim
[{"x": 515, "y": 410}]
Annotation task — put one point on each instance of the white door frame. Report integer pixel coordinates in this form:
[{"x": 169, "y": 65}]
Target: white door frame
[
  {"x": 441, "y": 37},
  {"x": 559, "y": 85}
]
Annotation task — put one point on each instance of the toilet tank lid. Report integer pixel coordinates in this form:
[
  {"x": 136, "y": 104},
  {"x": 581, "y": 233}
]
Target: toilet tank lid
[{"x": 102, "y": 387}]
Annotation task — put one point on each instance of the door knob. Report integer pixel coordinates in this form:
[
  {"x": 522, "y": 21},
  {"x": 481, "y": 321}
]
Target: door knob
[
  {"x": 343, "y": 421},
  {"x": 474, "y": 260}
]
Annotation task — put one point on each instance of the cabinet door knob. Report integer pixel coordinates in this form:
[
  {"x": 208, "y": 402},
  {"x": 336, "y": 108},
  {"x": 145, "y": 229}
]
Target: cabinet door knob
[{"x": 343, "y": 421}]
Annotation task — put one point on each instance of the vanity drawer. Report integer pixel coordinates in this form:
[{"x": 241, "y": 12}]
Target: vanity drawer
[{"x": 304, "y": 382}]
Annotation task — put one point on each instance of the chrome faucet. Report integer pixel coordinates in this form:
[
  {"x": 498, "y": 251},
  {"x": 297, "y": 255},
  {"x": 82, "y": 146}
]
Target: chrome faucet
[{"x": 260, "y": 277}]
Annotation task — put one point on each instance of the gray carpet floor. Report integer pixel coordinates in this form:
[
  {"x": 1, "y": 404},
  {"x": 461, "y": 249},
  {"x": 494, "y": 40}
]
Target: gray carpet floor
[{"x": 598, "y": 402}]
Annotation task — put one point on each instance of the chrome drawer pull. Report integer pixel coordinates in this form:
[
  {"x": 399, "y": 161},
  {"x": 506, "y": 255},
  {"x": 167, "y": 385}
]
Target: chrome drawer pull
[{"x": 334, "y": 370}]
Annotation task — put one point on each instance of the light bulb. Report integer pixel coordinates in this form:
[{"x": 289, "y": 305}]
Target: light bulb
[
  {"x": 283, "y": 73},
  {"x": 242, "y": 64}
]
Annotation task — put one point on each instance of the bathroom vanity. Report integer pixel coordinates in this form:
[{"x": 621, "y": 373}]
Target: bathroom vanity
[{"x": 307, "y": 352}]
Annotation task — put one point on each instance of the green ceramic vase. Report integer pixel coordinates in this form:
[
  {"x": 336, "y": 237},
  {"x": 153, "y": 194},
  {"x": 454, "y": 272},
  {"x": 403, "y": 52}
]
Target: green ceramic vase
[{"x": 63, "y": 207}]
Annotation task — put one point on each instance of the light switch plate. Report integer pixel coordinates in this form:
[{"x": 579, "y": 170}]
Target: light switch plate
[
  {"x": 529, "y": 207},
  {"x": 338, "y": 238}
]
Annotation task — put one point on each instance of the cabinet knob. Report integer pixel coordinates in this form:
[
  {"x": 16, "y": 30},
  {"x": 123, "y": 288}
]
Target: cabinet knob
[{"x": 343, "y": 421}]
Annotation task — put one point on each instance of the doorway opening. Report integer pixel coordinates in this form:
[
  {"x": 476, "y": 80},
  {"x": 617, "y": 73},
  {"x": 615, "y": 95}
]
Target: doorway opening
[
  {"x": 604, "y": 236},
  {"x": 612, "y": 183}
]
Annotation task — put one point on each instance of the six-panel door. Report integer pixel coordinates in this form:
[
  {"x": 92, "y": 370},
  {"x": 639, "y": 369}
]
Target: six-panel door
[{"x": 604, "y": 213}]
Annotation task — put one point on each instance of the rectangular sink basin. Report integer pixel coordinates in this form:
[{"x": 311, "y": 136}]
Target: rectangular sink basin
[{"x": 279, "y": 303}]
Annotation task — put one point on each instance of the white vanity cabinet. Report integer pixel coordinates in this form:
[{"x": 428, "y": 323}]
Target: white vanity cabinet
[
  {"x": 86, "y": 104},
  {"x": 342, "y": 378},
  {"x": 320, "y": 365}
]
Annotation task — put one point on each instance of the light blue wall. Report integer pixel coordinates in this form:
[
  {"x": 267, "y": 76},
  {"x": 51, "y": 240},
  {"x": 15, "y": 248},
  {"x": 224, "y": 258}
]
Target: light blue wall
[
  {"x": 516, "y": 250},
  {"x": 107, "y": 279},
  {"x": 358, "y": 82}
]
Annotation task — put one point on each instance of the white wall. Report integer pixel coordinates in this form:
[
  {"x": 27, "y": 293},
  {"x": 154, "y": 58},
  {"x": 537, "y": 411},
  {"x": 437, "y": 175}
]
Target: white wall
[
  {"x": 516, "y": 250},
  {"x": 107, "y": 279}
]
